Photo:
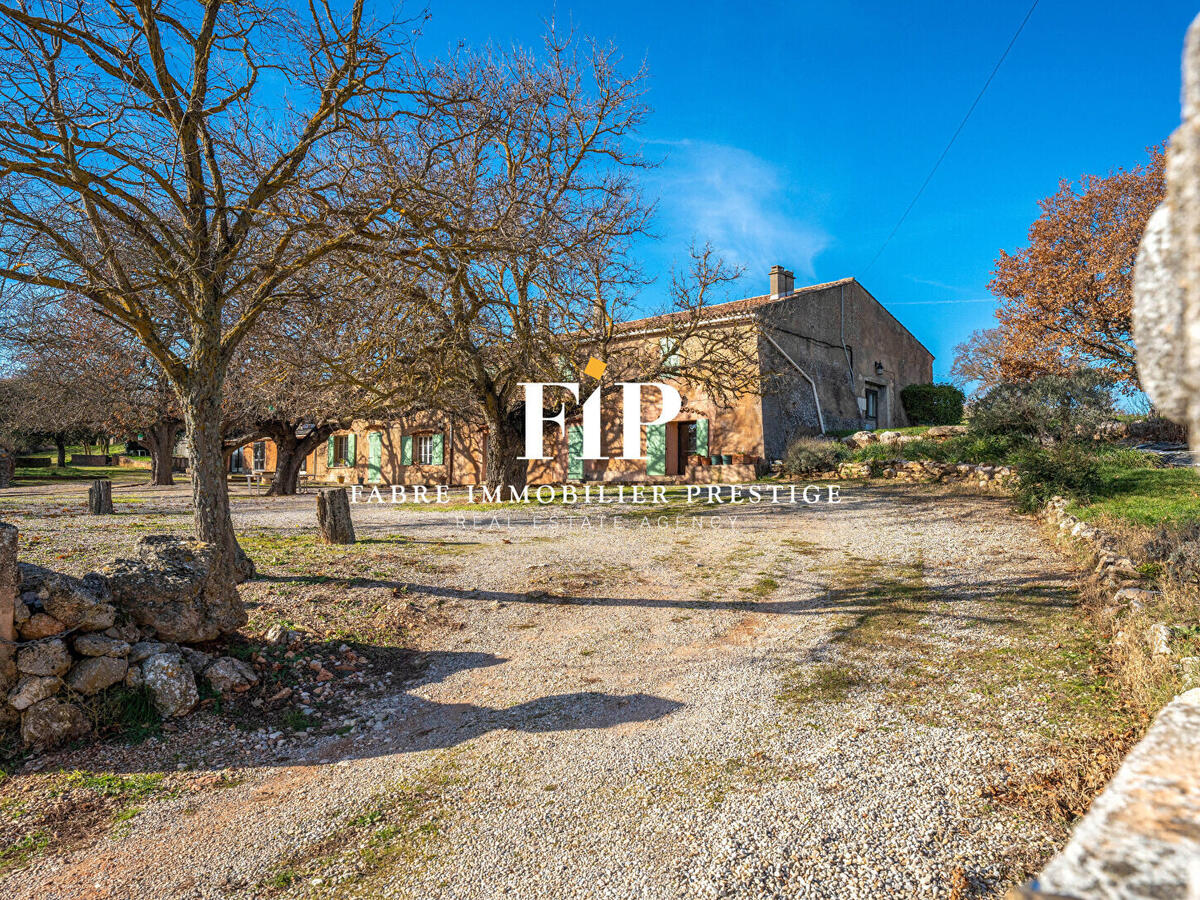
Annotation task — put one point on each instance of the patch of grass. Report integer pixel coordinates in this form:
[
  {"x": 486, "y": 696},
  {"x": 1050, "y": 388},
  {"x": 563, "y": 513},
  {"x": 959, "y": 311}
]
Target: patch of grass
[
  {"x": 823, "y": 683},
  {"x": 763, "y": 587},
  {"x": 23, "y": 849},
  {"x": 1145, "y": 497},
  {"x": 298, "y": 721},
  {"x": 107, "y": 784},
  {"x": 130, "y": 713}
]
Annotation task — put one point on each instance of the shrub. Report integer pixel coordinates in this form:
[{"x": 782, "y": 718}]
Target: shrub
[
  {"x": 933, "y": 404},
  {"x": 1050, "y": 408},
  {"x": 1064, "y": 469},
  {"x": 810, "y": 454}
]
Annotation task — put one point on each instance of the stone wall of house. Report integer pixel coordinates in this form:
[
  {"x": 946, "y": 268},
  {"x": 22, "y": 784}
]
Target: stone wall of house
[{"x": 810, "y": 327}]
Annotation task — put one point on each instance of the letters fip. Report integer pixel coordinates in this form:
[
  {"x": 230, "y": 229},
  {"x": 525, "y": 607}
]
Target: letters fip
[{"x": 631, "y": 400}]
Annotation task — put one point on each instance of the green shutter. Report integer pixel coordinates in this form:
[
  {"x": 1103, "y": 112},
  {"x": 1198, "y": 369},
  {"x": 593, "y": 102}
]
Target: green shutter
[
  {"x": 406, "y": 450},
  {"x": 330, "y": 462},
  {"x": 351, "y": 453},
  {"x": 435, "y": 450},
  {"x": 702, "y": 437},
  {"x": 575, "y": 452},
  {"x": 375, "y": 457},
  {"x": 656, "y": 449},
  {"x": 668, "y": 348}
]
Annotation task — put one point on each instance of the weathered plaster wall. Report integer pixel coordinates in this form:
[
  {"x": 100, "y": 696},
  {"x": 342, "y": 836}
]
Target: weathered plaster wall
[{"x": 809, "y": 328}]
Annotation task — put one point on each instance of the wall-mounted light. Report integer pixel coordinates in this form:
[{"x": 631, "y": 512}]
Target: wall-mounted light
[{"x": 878, "y": 368}]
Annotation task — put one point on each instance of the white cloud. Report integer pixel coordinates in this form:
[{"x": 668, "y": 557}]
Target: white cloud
[{"x": 739, "y": 203}]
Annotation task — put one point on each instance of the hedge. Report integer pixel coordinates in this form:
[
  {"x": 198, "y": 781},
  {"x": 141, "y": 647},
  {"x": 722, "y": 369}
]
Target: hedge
[{"x": 933, "y": 404}]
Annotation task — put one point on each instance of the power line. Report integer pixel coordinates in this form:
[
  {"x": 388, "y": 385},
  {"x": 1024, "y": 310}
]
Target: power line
[{"x": 953, "y": 137}]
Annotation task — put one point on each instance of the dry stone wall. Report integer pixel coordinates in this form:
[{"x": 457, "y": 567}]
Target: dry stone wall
[{"x": 65, "y": 640}]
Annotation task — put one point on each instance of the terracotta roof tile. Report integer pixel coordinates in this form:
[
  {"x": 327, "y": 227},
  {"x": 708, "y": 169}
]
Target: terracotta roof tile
[{"x": 720, "y": 310}]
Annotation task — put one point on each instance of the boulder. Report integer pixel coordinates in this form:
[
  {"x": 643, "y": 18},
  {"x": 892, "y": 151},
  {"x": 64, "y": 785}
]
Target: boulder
[
  {"x": 889, "y": 437},
  {"x": 143, "y": 650},
  {"x": 51, "y": 722},
  {"x": 134, "y": 680},
  {"x": 100, "y": 645},
  {"x": 168, "y": 588},
  {"x": 81, "y": 603},
  {"x": 39, "y": 625},
  {"x": 945, "y": 431},
  {"x": 860, "y": 439},
  {"x": 95, "y": 674},
  {"x": 44, "y": 658},
  {"x": 33, "y": 689},
  {"x": 171, "y": 683},
  {"x": 197, "y": 659},
  {"x": 229, "y": 674}
]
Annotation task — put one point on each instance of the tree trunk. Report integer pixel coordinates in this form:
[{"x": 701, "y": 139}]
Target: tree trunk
[
  {"x": 290, "y": 452},
  {"x": 160, "y": 437},
  {"x": 60, "y": 444},
  {"x": 505, "y": 446},
  {"x": 100, "y": 497},
  {"x": 210, "y": 490},
  {"x": 333, "y": 516}
]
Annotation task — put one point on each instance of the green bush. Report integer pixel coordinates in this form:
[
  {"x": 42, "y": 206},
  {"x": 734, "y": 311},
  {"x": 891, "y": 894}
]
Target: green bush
[
  {"x": 811, "y": 454},
  {"x": 1051, "y": 408},
  {"x": 1067, "y": 470},
  {"x": 933, "y": 404}
]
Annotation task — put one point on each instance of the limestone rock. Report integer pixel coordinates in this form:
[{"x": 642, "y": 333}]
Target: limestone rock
[
  {"x": 945, "y": 431},
  {"x": 197, "y": 659},
  {"x": 168, "y": 589},
  {"x": 134, "y": 680},
  {"x": 44, "y": 658},
  {"x": 143, "y": 650},
  {"x": 1138, "y": 598},
  {"x": 889, "y": 437},
  {"x": 860, "y": 439},
  {"x": 33, "y": 689},
  {"x": 1158, "y": 639},
  {"x": 1189, "y": 669},
  {"x": 229, "y": 674},
  {"x": 39, "y": 625},
  {"x": 21, "y": 613},
  {"x": 1139, "y": 838},
  {"x": 280, "y": 636},
  {"x": 52, "y": 722},
  {"x": 94, "y": 674},
  {"x": 76, "y": 602},
  {"x": 171, "y": 683},
  {"x": 100, "y": 645}
]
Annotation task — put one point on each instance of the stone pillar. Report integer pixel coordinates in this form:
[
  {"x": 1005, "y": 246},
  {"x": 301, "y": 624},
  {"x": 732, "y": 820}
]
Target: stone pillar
[
  {"x": 10, "y": 584},
  {"x": 1166, "y": 286}
]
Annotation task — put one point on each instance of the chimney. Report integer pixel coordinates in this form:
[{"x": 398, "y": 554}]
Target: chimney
[{"x": 782, "y": 282}]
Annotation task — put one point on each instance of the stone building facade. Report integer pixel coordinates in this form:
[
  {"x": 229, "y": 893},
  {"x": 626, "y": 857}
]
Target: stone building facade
[{"x": 829, "y": 357}]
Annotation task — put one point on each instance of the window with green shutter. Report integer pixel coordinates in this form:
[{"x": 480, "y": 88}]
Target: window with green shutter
[
  {"x": 330, "y": 450},
  {"x": 702, "y": 437},
  {"x": 575, "y": 452},
  {"x": 351, "y": 450},
  {"x": 406, "y": 450},
  {"x": 436, "y": 452},
  {"x": 656, "y": 449}
]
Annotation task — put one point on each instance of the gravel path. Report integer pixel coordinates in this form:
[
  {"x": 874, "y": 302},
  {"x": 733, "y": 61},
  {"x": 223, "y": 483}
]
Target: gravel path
[{"x": 652, "y": 712}]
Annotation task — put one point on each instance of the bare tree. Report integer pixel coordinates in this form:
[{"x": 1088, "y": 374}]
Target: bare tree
[
  {"x": 511, "y": 262},
  {"x": 152, "y": 127}
]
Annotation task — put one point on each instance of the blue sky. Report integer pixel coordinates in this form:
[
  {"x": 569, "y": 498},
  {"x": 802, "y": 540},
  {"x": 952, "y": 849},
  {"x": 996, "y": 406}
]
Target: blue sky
[{"x": 798, "y": 132}]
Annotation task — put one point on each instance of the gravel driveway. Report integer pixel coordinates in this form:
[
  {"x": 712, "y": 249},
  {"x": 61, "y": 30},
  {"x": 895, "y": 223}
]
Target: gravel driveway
[{"x": 773, "y": 702}]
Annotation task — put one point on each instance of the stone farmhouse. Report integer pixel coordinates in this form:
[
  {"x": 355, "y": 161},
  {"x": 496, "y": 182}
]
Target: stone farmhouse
[{"x": 829, "y": 357}]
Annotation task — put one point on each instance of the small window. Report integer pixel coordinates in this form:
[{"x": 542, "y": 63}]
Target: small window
[
  {"x": 341, "y": 450},
  {"x": 260, "y": 455},
  {"x": 872, "y": 404},
  {"x": 689, "y": 436},
  {"x": 423, "y": 449}
]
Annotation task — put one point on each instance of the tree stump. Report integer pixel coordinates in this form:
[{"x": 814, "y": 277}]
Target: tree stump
[
  {"x": 100, "y": 497},
  {"x": 333, "y": 516}
]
